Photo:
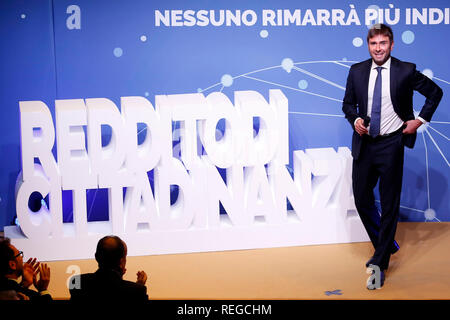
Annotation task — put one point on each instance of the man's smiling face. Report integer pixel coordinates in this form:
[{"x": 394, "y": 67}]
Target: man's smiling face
[{"x": 380, "y": 47}]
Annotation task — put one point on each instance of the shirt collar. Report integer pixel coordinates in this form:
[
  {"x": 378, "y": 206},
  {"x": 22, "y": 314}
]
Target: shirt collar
[
  {"x": 15, "y": 280},
  {"x": 385, "y": 65}
]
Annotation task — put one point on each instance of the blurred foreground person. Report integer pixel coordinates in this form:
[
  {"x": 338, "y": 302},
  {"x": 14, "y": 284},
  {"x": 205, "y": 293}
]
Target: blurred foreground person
[{"x": 16, "y": 277}]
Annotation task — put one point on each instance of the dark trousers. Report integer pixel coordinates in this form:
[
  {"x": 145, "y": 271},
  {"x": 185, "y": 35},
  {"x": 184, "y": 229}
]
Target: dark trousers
[{"x": 380, "y": 159}]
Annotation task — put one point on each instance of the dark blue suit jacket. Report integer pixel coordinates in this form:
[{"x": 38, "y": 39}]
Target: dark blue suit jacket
[{"x": 404, "y": 80}]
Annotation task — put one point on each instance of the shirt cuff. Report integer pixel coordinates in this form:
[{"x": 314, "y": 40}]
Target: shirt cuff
[
  {"x": 422, "y": 120},
  {"x": 44, "y": 292}
]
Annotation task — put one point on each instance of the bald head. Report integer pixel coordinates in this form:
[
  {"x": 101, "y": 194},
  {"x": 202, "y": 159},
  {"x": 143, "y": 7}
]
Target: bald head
[{"x": 111, "y": 252}]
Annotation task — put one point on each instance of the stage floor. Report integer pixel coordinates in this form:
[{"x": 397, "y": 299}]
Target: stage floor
[{"x": 420, "y": 270}]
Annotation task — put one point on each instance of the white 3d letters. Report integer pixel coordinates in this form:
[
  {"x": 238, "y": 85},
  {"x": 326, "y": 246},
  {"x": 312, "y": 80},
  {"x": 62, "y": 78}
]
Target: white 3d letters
[{"x": 241, "y": 170}]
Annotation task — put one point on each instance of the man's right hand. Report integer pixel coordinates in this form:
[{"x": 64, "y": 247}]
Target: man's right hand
[
  {"x": 44, "y": 278},
  {"x": 141, "y": 277},
  {"x": 360, "y": 128}
]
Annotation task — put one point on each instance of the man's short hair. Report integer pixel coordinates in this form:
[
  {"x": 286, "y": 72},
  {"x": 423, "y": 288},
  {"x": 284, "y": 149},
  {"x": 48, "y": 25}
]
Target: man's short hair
[
  {"x": 6, "y": 255},
  {"x": 380, "y": 29},
  {"x": 110, "y": 250}
]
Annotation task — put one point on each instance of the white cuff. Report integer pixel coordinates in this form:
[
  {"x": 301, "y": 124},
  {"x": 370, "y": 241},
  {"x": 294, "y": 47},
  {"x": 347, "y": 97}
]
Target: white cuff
[
  {"x": 354, "y": 123},
  {"x": 422, "y": 120}
]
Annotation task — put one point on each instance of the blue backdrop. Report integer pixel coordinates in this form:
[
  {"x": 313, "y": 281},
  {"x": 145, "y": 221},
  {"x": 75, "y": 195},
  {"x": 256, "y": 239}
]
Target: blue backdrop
[{"x": 89, "y": 49}]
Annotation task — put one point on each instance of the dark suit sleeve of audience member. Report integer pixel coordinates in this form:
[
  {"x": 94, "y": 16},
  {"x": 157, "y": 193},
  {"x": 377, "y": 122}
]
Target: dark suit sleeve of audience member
[
  {"x": 143, "y": 294},
  {"x": 44, "y": 297},
  {"x": 432, "y": 92},
  {"x": 134, "y": 291},
  {"x": 35, "y": 296},
  {"x": 349, "y": 106},
  {"x": 31, "y": 294}
]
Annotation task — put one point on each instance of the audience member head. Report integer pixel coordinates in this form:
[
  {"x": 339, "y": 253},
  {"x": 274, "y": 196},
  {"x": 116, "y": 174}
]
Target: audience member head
[
  {"x": 111, "y": 254},
  {"x": 11, "y": 259}
]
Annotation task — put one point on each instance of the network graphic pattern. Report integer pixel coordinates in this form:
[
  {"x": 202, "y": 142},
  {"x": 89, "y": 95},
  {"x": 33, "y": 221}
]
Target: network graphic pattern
[
  {"x": 427, "y": 133},
  {"x": 288, "y": 65}
]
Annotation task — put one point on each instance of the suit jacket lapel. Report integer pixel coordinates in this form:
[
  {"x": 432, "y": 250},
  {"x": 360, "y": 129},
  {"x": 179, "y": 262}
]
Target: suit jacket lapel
[
  {"x": 365, "y": 81},
  {"x": 393, "y": 80}
]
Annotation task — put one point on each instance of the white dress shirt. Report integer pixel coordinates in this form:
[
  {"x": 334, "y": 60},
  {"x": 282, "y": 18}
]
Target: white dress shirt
[{"x": 389, "y": 121}]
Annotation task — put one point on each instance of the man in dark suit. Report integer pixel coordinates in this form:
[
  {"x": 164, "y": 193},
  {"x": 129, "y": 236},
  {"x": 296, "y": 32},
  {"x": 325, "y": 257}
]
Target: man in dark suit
[
  {"x": 16, "y": 277},
  {"x": 107, "y": 283},
  {"x": 378, "y": 103}
]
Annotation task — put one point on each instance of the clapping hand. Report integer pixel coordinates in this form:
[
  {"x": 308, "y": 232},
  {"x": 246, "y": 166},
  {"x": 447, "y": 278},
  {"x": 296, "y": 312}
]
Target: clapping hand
[
  {"x": 29, "y": 272},
  {"x": 141, "y": 277},
  {"x": 44, "y": 278}
]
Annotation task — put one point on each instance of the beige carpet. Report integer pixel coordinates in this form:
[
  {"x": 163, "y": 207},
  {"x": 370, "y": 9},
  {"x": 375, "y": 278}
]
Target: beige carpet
[{"x": 420, "y": 270}]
